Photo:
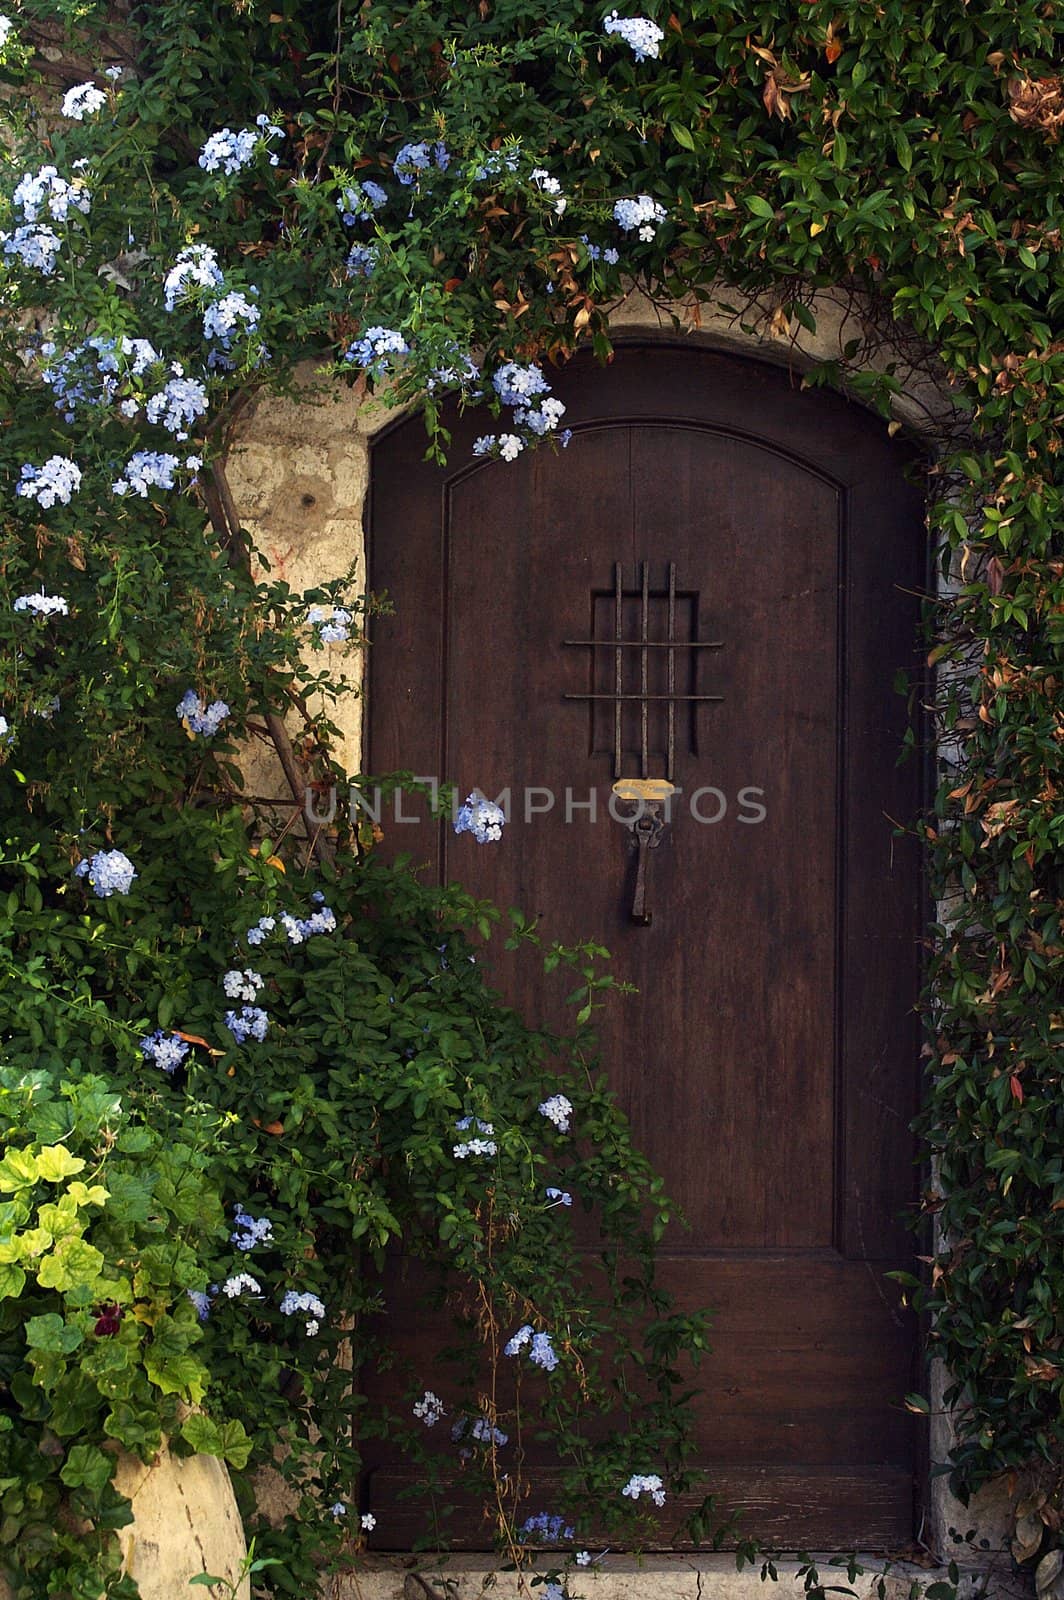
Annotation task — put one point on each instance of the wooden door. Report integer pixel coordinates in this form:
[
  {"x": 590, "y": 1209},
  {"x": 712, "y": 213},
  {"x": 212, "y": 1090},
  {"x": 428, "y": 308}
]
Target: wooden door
[{"x": 759, "y": 555}]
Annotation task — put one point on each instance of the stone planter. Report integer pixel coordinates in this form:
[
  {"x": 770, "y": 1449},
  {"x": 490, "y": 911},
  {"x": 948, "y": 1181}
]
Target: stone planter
[{"x": 185, "y": 1522}]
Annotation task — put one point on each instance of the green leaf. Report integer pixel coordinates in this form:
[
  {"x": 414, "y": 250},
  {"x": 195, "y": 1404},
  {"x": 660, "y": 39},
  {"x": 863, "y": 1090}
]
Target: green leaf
[
  {"x": 181, "y": 1374},
  {"x": 18, "y": 1170},
  {"x": 86, "y": 1467},
  {"x": 73, "y": 1263},
  {"x": 758, "y": 206},
  {"x": 54, "y": 1163},
  {"x": 12, "y": 1280},
  {"x": 52, "y": 1334}
]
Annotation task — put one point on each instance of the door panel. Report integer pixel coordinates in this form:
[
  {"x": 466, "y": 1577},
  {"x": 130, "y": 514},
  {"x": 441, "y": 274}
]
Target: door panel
[{"x": 759, "y": 553}]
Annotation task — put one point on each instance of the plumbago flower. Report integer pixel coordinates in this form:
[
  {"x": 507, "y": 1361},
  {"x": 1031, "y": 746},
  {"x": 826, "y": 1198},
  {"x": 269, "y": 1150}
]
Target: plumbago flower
[
  {"x": 480, "y": 817},
  {"x": 376, "y": 349},
  {"x": 165, "y": 1050},
  {"x": 231, "y": 152},
  {"x": 640, "y": 215},
  {"x": 84, "y": 100},
  {"x": 42, "y": 605},
  {"x": 57, "y": 480},
  {"x": 108, "y": 871},
  {"x": 536, "y": 414},
  {"x": 199, "y": 718},
  {"x": 429, "y": 1409},
  {"x": 295, "y": 1303},
  {"x": 641, "y": 35},
  {"x": 644, "y": 1483},
  {"x": 249, "y": 1231},
  {"x": 333, "y": 629},
  {"x": 541, "y": 1351}
]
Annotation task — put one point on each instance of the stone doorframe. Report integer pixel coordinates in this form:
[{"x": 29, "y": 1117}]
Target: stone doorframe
[{"x": 299, "y": 472}]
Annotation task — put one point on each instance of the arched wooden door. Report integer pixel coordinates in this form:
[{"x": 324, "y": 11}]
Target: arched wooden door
[{"x": 716, "y": 584}]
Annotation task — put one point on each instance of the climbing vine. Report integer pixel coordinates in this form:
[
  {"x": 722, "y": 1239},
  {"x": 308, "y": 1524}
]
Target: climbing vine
[{"x": 440, "y": 203}]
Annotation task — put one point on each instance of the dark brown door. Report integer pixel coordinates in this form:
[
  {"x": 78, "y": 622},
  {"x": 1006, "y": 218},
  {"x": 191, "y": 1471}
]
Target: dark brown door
[{"x": 766, "y": 547}]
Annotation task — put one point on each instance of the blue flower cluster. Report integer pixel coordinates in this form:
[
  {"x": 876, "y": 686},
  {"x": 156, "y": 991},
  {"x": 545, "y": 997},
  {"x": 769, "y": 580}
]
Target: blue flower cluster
[
  {"x": 46, "y": 193},
  {"x": 108, "y": 871},
  {"x": 232, "y": 152},
  {"x": 232, "y": 315},
  {"x": 36, "y": 247},
  {"x": 480, "y": 817},
  {"x": 241, "y": 1283},
  {"x": 559, "y": 1197},
  {"x": 250, "y": 1022},
  {"x": 525, "y": 388},
  {"x": 331, "y": 630},
  {"x": 151, "y": 469},
  {"x": 415, "y": 159},
  {"x": 641, "y": 215},
  {"x": 497, "y": 163},
  {"x": 202, "y": 1302},
  {"x": 361, "y": 260},
  {"x": 360, "y": 200},
  {"x": 165, "y": 1050},
  {"x": 249, "y": 1231},
  {"x": 548, "y": 1529},
  {"x": 645, "y": 1483},
  {"x": 486, "y": 1432},
  {"x": 84, "y": 100},
  {"x": 178, "y": 404},
  {"x": 429, "y": 1409},
  {"x": 541, "y": 1351},
  {"x": 476, "y": 1146},
  {"x": 242, "y": 985},
  {"x": 558, "y": 1109},
  {"x": 57, "y": 479},
  {"x": 294, "y": 1302},
  {"x": 42, "y": 605},
  {"x": 641, "y": 35},
  {"x": 375, "y": 349},
  {"x": 196, "y": 267},
  {"x": 200, "y": 718},
  {"x": 595, "y": 252}
]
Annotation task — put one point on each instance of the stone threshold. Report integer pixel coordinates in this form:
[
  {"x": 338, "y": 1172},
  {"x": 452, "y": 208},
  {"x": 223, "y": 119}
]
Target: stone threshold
[{"x": 651, "y": 1577}]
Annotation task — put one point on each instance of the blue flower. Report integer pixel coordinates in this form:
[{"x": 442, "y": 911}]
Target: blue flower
[
  {"x": 46, "y": 192},
  {"x": 202, "y": 1302},
  {"x": 414, "y": 159},
  {"x": 641, "y": 214},
  {"x": 84, "y": 100},
  {"x": 178, "y": 405},
  {"x": 360, "y": 200},
  {"x": 480, "y": 817},
  {"x": 373, "y": 349},
  {"x": 42, "y": 605},
  {"x": 558, "y": 1109},
  {"x": 34, "y": 246},
  {"x": 516, "y": 384},
  {"x": 196, "y": 267},
  {"x": 232, "y": 152},
  {"x": 559, "y": 1197},
  {"x": 643, "y": 1483},
  {"x": 198, "y": 718},
  {"x": 109, "y": 871},
  {"x": 57, "y": 479},
  {"x": 146, "y": 469},
  {"x": 294, "y": 1302},
  {"x": 250, "y": 1022},
  {"x": 550, "y": 1529},
  {"x": 639, "y": 33},
  {"x": 166, "y": 1050},
  {"x": 250, "y": 1231}
]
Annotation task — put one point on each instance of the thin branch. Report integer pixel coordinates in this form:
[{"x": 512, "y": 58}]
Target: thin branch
[{"x": 225, "y": 520}]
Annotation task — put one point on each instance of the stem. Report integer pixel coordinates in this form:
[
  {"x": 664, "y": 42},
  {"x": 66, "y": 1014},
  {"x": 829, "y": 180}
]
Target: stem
[{"x": 225, "y": 521}]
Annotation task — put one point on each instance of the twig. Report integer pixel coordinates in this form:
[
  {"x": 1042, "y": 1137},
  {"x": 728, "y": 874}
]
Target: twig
[{"x": 225, "y": 520}]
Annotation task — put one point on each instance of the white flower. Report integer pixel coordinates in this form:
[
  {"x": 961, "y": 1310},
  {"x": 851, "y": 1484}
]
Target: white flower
[{"x": 83, "y": 101}]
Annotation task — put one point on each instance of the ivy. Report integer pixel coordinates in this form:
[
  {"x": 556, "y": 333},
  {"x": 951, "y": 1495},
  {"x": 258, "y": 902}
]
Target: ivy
[{"x": 909, "y": 160}]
